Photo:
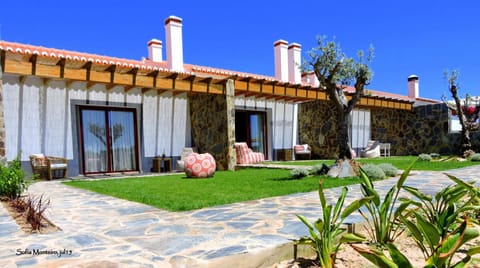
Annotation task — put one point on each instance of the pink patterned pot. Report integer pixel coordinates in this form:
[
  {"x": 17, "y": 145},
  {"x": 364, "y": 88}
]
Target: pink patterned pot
[{"x": 200, "y": 165}]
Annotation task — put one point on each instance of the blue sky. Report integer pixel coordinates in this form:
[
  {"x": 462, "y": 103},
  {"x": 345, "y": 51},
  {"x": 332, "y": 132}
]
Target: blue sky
[{"x": 410, "y": 37}]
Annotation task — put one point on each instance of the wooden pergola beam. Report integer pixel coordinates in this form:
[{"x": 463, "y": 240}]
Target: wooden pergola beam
[{"x": 162, "y": 81}]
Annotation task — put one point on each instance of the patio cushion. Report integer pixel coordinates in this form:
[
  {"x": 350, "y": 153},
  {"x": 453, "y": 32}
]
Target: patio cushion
[
  {"x": 245, "y": 154},
  {"x": 200, "y": 165}
]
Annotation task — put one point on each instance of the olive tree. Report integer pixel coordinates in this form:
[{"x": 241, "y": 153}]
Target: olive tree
[
  {"x": 467, "y": 112},
  {"x": 336, "y": 72}
]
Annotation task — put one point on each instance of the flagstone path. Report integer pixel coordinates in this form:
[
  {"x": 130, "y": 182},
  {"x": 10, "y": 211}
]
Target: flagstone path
[{"x": 103, "y": 231}]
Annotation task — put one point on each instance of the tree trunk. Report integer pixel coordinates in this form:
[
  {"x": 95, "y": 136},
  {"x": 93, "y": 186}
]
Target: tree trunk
[
  {"x": 343, "y": 139},
  {"x": 466, "y": 143}
]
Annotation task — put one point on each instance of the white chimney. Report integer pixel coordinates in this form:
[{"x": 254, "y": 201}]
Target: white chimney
[
  {"x": 155, "y": 50},
  {"x": 294, "y": 61},
  {"x": 173, "y": 32},
  {"x": 311, "y": 78},
  {"x": 413, "y": 86},
  {"x": 280, "y": 49}
]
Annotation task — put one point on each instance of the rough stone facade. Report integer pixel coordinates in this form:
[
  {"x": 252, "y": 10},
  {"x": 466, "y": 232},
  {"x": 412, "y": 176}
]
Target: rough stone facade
[
  {"x": 425, "y": 129},
  {"x": 2, "y": 119},
  {"x": 316, "y": 127},
  {"x": 422, "y": 130},
  {"x": 208, "y": 114},
  {"x": 230, "y": 102}
]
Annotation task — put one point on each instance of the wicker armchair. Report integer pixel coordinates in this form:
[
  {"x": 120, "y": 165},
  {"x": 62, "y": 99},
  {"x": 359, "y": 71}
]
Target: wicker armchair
[{"x": 48, "y": 167}]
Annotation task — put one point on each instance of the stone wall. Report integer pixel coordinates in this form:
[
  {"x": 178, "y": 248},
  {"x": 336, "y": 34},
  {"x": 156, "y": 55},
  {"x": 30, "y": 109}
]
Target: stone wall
[
  {"x": 422, "y": 130},
  {"x": 316, "y": 127},
  {"x": 208, "y": 114},
  {"x": 2, "y": 119}
]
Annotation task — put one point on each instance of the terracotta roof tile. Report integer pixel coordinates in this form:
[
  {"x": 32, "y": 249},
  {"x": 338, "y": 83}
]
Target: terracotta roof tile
[{"x": 146, "y": 64}]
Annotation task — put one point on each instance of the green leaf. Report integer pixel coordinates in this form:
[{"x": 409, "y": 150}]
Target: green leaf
[
  {"x": 415, "y": 192},
  {"x": 355, "y": 205},
  {"x": 463, "y": 262},
  {"x": 319, "y": 225},
  {"x": 321, "y": 195},
  {"x": 460, "y": 182},
  {"x": 352, "y": 238},
  {"x": 403, "y": 206},
  {"x": 398, "y": 257},
  {"x": 338, "y": 206},
  {"x": 473, "y": 251},
  {"x": 311, "y": 230},
  {"x": 416, "y": 233},
  {"x": 404, "y": 175},
  {"x": 455, "y": 240},
  {"x": 376, "y": 257},
  {"x": 428, "y": 229},
  {"x": 386, "y": 203}
]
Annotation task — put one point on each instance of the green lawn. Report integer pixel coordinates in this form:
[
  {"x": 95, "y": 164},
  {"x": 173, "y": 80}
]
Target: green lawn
[
  {"x": 178, "y": 193},
  {"x": 401, "y": 162}
]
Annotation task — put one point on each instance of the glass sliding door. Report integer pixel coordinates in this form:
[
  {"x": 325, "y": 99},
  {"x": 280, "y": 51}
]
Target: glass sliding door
[
  {"x": 108, "y": 140},
  {"x": 257, "y": 132},
  {"x": 95, "y": 141},
  {"x": 122, "y": 140}
]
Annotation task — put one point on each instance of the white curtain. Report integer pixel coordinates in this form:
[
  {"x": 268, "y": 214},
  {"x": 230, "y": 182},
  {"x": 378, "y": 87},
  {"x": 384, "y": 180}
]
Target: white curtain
[{"x": 122, "y": 140}]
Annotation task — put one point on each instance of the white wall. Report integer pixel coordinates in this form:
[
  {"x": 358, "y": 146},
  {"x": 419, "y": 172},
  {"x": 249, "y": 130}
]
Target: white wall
[{"x": 38, "y": 116}]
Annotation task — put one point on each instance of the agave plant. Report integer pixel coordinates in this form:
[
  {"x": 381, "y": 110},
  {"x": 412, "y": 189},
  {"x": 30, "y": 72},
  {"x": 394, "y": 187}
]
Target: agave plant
[
  {"x": 441, "y": 257},
  {"x": 382, "y": 218},
  {"x": 436, "y": 227},
  {"x": 327, "y": 233},
  {"x": 440, "y": 226}
]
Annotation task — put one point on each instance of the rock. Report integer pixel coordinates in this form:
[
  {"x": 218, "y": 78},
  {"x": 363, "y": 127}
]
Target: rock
[
  {"x": 342, "y": 169},
  {"x": 334, "y": 171}
]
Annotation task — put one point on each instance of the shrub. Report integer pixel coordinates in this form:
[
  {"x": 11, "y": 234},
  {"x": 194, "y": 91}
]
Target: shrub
[
  {"x": 374, "y": 172},
  {"x": 298, "y": 173},
  {"x": 425, "y": 157},
  {"x": 12, "y": 179},
  {"x": 475, "y": 157},
  {"x": 320, "y": 169},
  {"x": 35, "y": 211},
  {"x": 389, "y": 169}
]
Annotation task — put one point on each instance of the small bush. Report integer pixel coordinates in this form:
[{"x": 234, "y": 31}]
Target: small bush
[
  {"x": 374, "y": 172},
  {"x": 320, "y": 169},
  {"x": 35, "y": 211},
  {"x": 475, "y": 157},
  {"x": 298, "y": 173},
  {"x": 424, "y": 157},
  {"x": 12, "y": 179},
  {"x": 389, "y": 169}
]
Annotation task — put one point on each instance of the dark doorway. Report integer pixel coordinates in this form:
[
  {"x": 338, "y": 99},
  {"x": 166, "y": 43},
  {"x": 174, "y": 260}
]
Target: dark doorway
[{"x": 251, "y": 127}]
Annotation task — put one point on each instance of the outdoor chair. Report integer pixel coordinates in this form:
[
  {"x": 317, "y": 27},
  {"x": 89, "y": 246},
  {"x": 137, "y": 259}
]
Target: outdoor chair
[
  {"x": 372, "y": 149},
  {"x": 245, "y": 155},
  {"x": 48, "y": 167},
  {"x": 302, "y": 152}
]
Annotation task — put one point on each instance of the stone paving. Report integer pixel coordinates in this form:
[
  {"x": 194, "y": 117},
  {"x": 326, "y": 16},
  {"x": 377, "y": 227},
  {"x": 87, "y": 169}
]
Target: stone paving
[{"x": 102, "y": 231}]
